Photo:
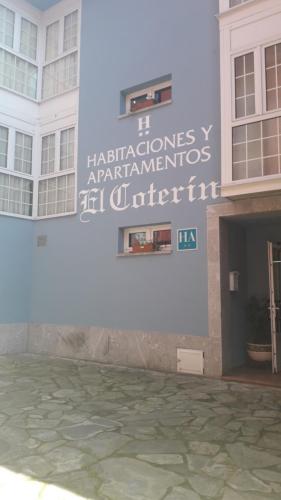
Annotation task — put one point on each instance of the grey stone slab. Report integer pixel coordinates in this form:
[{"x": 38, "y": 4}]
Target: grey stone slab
[
  {"x": 268, "y": 475},
  {"x": 162, "y": 459},
  {"x": 245, "y": 481},
  {"x": 206, "y": 486},
  {"x": 103, "y": 445},
  {"x": 179, "y": 493},
  {"x": 234, "y": 495},
  {"x": 128, "y": 478},
  {"x": 152, "y": 447},
  {"x": 81, "y": 431},
  {"x": 249, "y": 458},
  {"x": 65, "y": 459},
  {"x": 203, "y": 448}
]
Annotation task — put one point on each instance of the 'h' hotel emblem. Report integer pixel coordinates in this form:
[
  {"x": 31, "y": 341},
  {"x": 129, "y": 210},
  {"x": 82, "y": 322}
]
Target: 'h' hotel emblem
[{"x": 144, "y": 125}]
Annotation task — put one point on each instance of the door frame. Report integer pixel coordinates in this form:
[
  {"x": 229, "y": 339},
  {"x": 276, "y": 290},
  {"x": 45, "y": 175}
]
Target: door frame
[{"x": 217, "y": 269}]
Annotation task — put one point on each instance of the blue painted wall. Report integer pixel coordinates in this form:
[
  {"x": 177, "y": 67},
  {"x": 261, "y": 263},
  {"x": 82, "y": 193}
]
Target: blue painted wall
[
  {"x": 78, "y": 278},
  {"x": 15, "y": 269}
]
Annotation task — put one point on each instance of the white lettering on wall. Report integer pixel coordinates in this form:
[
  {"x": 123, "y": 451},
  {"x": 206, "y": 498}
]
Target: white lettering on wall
[
  {"x": 92, "y": 200},
  {"x": 180, "y": 150}
]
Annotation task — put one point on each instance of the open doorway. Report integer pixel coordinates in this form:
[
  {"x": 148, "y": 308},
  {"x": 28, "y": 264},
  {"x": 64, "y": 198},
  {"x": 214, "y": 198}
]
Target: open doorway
[{"x": 250, "y": 247}]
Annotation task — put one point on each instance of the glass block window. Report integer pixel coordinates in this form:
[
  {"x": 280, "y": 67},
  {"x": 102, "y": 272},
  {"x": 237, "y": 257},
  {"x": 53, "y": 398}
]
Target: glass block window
[
  {"x": 7, "y": 24},
  {"x": 17, "y": 74},
  {"x": 16, "y": 195},
  {"x": 244, "y": 85},
  {"x": 273, "y": 76},
  {"x": 60, "y": 76},
  {"x": 48, "y": 154},
  {"x": 4, "y": 135},
  {"x": 23, "y": 153},
  {"x": 256, "y": 149},
  {"x": 56, "y": 195},
  {"x": 52, "y": 41},
  {"x": 28, "y": 39},
  {"x": 67, "y": 149},
  {"x": 70, "y": 31}
]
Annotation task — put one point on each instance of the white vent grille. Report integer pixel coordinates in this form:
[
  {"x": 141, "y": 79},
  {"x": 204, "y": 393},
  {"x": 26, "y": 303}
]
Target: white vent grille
[{"x": 190, "y": 361}]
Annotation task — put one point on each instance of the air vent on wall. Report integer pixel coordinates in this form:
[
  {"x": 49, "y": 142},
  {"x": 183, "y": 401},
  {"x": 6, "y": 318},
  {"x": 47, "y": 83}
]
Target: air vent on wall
[{"x": 42, "y": 240}]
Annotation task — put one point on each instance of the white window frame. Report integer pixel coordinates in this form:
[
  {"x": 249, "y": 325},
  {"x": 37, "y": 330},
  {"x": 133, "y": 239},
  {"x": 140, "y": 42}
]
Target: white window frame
[
  {"x": 7, "y": 153},
  {"x": 225, "y": 5},
  {"x": 48, "y": 149},
  {"x": 149, "y": 235},
  {"x": 30, "y": 179},
  {"x": 66, "y": 173},
  {"x": 57, "y": 172},
  {"x": 147, "y": 90},
  {"x": 65, "y": 90},
  {"x": 272, "y": 112},
  {"x": 258, "y": 87},
  {"x": 9, "y": 170},
  {"x": 47, "y": 60},
  {"x": 261, "y": 113},
  {"x": 57, "y": 132},
  {"x": 76, "y": 45},
  {"x": 37, "y": 118},
  {"x": 23, "y": 148},
  {"x": 59, "y": 18}
]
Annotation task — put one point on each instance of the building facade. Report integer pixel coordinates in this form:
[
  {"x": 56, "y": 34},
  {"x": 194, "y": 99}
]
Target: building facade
[{"x": 139, "y": 166}]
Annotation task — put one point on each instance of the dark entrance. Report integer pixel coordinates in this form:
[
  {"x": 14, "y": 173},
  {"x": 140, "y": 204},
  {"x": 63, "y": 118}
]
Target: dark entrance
[{"x": 250, "y": 246}]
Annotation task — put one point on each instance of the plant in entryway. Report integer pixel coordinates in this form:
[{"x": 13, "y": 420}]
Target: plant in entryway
[{"x": 259, "y": 331}]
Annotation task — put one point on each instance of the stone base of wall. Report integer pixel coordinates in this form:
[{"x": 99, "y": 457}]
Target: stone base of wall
[
  {"x": 13, "y": 338},
  {"x": 150, "y": 350}
]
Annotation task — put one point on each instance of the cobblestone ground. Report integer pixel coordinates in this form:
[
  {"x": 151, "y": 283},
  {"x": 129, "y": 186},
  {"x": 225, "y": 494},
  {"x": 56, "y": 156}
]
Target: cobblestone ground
[{"x": 72, "y": 430}]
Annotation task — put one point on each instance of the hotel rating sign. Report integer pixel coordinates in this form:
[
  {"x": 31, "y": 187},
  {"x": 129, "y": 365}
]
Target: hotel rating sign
[{"x": 188, "y": 239}]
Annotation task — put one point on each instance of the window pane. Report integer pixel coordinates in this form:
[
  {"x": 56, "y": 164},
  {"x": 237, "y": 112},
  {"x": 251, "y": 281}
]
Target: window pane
[
  {"x": 233, "y": 3},
  {"x": 273, "y": 76},
  {"x": 70, "y": 31},
  {"x": 244, "y": 85},
  {"x": 7, "y": 23},
  {"x": 137, "y": 238},
  {"x": 4, "y": 134},
  {"x": 256, "y": 149},
  {"x": 60, "y": 76},
  {"x": 67, "y": 149},
  {"x": 23, "y": 153},
  {"x": 16, "y": 195},
  {"x": 56, "y": 195},
  {"x": 28, "y": 39},
  {"x": 52, "y": 41},
  {"x": 48, "y": 154},
  {"x": 17, "y": 74}
]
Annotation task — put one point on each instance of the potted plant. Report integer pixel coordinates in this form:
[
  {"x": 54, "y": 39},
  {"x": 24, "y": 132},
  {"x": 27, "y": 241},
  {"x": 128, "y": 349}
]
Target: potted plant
[{"x": 259, "y": 346}]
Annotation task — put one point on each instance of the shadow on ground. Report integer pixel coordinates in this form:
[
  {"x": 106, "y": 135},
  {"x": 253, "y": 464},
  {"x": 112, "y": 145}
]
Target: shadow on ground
[{"x": 74, "y": 428}]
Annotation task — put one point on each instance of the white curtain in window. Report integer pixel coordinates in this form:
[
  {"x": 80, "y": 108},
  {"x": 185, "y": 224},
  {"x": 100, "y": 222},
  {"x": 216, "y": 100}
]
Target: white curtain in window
[
  {"x": 4, "y": 134},
  {"x": 28, "y": 39},
  {"x": 23, "y": 153},
  {"x": 52, "y": 41},
  {"x": 7, "y": 24},
  {"x": 56, "y": 195},
  {"x": 70, "y": 31}
]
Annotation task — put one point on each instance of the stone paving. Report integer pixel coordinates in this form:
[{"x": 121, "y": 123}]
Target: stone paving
[{"x": 77, "y": 430}]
